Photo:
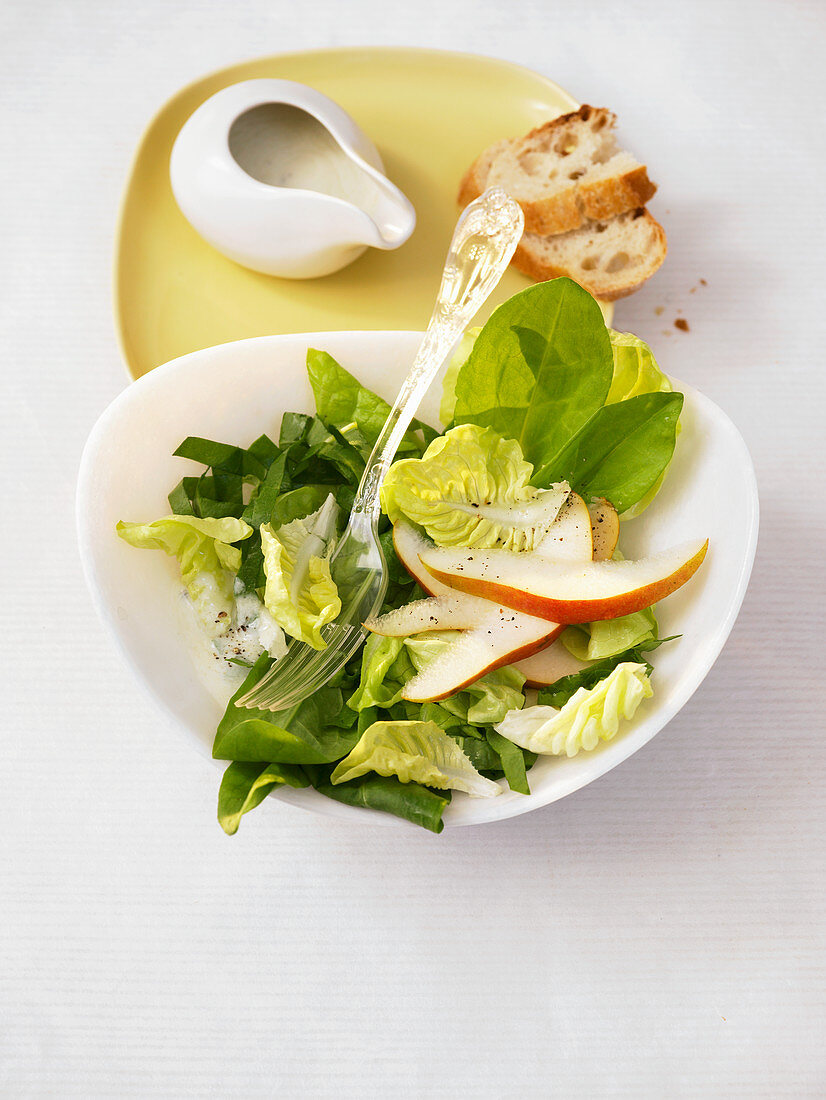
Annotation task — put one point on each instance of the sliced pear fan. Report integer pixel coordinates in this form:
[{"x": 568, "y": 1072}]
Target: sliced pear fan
[{"x": 493, "y": 636}]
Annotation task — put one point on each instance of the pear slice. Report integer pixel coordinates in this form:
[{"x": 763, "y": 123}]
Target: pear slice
[
  {"x": 549, "y": 665},
  {"x": 565, "y": 592},
  {"x": 569, "y": 537},
  {"x": 605, "y": 528},
  {"x": 500, "y": 640},
  {"x": 409, "y": 544},
  {"x": 457, "y": 611}
]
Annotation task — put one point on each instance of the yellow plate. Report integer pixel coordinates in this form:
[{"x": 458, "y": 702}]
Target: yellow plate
[{"x": 429, "y": 112}]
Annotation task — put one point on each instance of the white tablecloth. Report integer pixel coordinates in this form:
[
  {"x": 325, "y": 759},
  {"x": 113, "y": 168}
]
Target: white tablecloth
[{"x": 658, "y": 934}]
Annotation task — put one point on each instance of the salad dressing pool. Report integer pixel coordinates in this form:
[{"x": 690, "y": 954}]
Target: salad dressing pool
[{"x": 284, "y": 146}]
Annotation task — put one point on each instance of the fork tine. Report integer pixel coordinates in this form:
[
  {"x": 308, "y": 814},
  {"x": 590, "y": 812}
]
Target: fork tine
[
  {"x": 314, "y": 673},
  {"x": 297, "y": 673},
  {"x": 277, "y": 674},
  {"x": 325, "y": 665}
]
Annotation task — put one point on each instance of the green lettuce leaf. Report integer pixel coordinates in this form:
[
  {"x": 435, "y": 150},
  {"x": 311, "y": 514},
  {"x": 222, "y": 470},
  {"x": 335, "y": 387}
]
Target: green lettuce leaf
[
  {"x": 341, "y": 400},
  {"x": 591, "y": 715},
  {"x": 207, "y": 561},
  {"x": 539, "y": 369},
  {"x": 245, "y": 786},
  {"x": 302, "y": 502},
  {"x": 626, "y": 452},
  {"x": 457, "y": 361},
  {"x": 472, "y": 488},
  {"x": 258, "y": 511},
  {"x": 318, "y": 730},
  {"x": 607, "y": 637},
  {"x": 636, "y": 372},
  {"x": 317, "y": 453},
  {"x": 512, "y": 758},
  {"x": 299, "y": 592},
  {"x": 635, "y": 368},
  {"x": 416, "y": 752},
  {"x": 386, "y": 793},
  {"x": 585, "y": 407},
  {"x": 478, "y": 751},
  {"x": 385, "y": 668},
  {"x": 180, "y": 499},
  {"x": 227, "y": 458},
  {"x": 622, "y": 450}
]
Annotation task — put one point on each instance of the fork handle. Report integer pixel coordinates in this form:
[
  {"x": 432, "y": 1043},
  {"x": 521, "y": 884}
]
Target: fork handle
[{"x": 484, "y": 240}]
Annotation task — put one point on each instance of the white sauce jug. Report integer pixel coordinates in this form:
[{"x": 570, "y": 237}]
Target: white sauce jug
[{"x": 279, "y": 178}]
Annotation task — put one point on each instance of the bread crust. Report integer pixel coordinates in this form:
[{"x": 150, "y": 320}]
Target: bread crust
[
  {"x": 608, "y": 288},
  {"x": 604, "y": 199},
  {"x": 558, "y": 213},
  {"x": 582, "y": 114}
]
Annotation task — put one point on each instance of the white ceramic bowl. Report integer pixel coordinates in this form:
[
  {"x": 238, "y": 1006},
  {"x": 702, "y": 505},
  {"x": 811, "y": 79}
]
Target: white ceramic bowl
[{"x": 234, "y": 392}]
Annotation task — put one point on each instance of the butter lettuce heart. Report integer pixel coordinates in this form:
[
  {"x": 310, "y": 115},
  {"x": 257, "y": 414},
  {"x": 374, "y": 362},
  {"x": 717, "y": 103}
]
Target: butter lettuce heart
[
  {"x": 635, "y": 369},
  {"x": 300, "y": 593},
  {"x": 457, "y": 361},
  {"x": 636, "y": 372},
  {"x": 591, "y": 715},
  {"x": 471, "y": 488},
  {"x": 207, "y": 561},
  {"x": 415, "y": 752},
  {"x": 607, "y": 637}
]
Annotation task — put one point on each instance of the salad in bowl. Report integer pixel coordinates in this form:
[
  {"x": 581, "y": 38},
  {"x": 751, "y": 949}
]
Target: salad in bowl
[{"x": 519, "y": 624}]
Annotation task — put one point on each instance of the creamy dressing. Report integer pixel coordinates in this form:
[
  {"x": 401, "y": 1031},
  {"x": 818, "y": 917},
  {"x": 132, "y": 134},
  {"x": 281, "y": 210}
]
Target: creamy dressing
[
  {"x": 284, "y": 146},
  {"x": 252, "y": 631}
]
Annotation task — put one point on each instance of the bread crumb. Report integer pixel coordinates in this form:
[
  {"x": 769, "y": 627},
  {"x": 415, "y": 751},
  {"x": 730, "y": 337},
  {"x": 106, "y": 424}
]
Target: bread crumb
[
  {"x": 703, "y": 282},
  {"x": 659, "y": 311},
  {"x": 681, "y": 324}
]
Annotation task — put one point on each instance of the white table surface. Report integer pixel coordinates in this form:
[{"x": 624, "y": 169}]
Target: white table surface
[{"x": 659, "y": 934}]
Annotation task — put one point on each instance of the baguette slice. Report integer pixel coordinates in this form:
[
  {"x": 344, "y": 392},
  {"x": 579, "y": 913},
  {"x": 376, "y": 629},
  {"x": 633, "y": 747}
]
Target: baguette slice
[
  {"x": 609, "y": 258},
  {"x": 564, "y": 173}
]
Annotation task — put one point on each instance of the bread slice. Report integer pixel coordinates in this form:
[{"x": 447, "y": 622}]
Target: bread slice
[
  {"x": 564, "y": 173},
  {"x": 609, "y": 258}
]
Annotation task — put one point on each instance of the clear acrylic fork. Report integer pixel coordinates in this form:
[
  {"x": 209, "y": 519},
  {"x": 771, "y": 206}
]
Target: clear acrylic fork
[{"x": 483, "y": 242}]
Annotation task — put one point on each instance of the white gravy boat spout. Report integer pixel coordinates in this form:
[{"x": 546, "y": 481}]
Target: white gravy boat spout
[{"x": 279, "y": 178}]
